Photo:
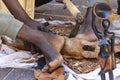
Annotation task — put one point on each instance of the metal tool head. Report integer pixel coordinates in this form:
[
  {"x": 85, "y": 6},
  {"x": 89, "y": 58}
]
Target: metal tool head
[{"x": 102, "y": 10}]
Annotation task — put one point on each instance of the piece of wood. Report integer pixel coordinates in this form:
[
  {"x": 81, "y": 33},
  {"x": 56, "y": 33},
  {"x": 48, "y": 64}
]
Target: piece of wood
[
  {"x": 71, "y": 7},
  {"x": 28, "y": 6}
]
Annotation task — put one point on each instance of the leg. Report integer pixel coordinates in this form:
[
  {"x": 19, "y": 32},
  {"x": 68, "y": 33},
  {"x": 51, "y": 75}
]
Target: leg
[{"x": 53, "y": 57}]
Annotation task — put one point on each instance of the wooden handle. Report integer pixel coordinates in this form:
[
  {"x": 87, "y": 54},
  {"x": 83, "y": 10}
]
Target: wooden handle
[{"x": 71, "y": 7}]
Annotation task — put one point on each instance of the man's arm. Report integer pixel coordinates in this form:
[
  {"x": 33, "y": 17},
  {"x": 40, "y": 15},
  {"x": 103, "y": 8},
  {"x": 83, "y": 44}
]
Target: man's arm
[
  {"x": 16, "y": 9},
  {"x": 19, "y": 13}
]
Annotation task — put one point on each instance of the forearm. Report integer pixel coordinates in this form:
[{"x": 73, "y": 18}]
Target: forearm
[{"x": 19, "y": 13}]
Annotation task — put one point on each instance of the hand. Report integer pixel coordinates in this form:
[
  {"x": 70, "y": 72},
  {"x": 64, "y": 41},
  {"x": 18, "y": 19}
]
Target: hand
[
  {"x": 42, "y": 27},
  {"x": 39, "y": 26}
]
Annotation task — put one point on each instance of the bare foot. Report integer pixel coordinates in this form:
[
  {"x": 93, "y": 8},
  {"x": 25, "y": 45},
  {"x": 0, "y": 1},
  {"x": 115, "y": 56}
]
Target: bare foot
[{"x": 51, "y": 66}]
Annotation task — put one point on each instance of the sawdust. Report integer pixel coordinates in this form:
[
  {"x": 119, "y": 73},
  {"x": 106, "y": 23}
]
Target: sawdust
[
  {"x": 61, "y": 29},
  {"x": 84, "y": 65}
]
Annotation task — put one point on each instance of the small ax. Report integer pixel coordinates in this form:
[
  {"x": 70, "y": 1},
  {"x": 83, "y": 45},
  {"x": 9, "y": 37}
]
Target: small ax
[{"x": 77, "y": 15}]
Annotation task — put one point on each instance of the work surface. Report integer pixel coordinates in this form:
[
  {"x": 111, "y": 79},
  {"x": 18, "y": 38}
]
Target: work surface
[{"x": 16, "y": 74}]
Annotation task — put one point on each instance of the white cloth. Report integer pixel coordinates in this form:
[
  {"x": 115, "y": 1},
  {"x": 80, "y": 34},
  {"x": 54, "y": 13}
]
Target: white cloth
[
  {"x": 90, "y": 76},
  {"x": 11, "y": 58},
  {"x": 115, "y": 27}
]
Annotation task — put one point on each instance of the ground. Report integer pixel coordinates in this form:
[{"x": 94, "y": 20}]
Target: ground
[{"x": 16, "y": 74}]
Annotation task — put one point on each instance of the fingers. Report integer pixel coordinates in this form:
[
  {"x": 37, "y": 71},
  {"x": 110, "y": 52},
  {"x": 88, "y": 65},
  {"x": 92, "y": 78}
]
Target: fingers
[{"x": 43, "y": 28}]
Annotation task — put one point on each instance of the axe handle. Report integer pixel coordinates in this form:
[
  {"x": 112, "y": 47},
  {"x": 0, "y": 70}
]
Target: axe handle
[{"x": 71, "y": 7}]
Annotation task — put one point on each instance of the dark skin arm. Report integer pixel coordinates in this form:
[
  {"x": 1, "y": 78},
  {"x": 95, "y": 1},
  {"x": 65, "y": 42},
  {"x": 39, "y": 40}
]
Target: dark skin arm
[
  {"x": 19, "y": 13},
  {"x": 16, "y": 9}
]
